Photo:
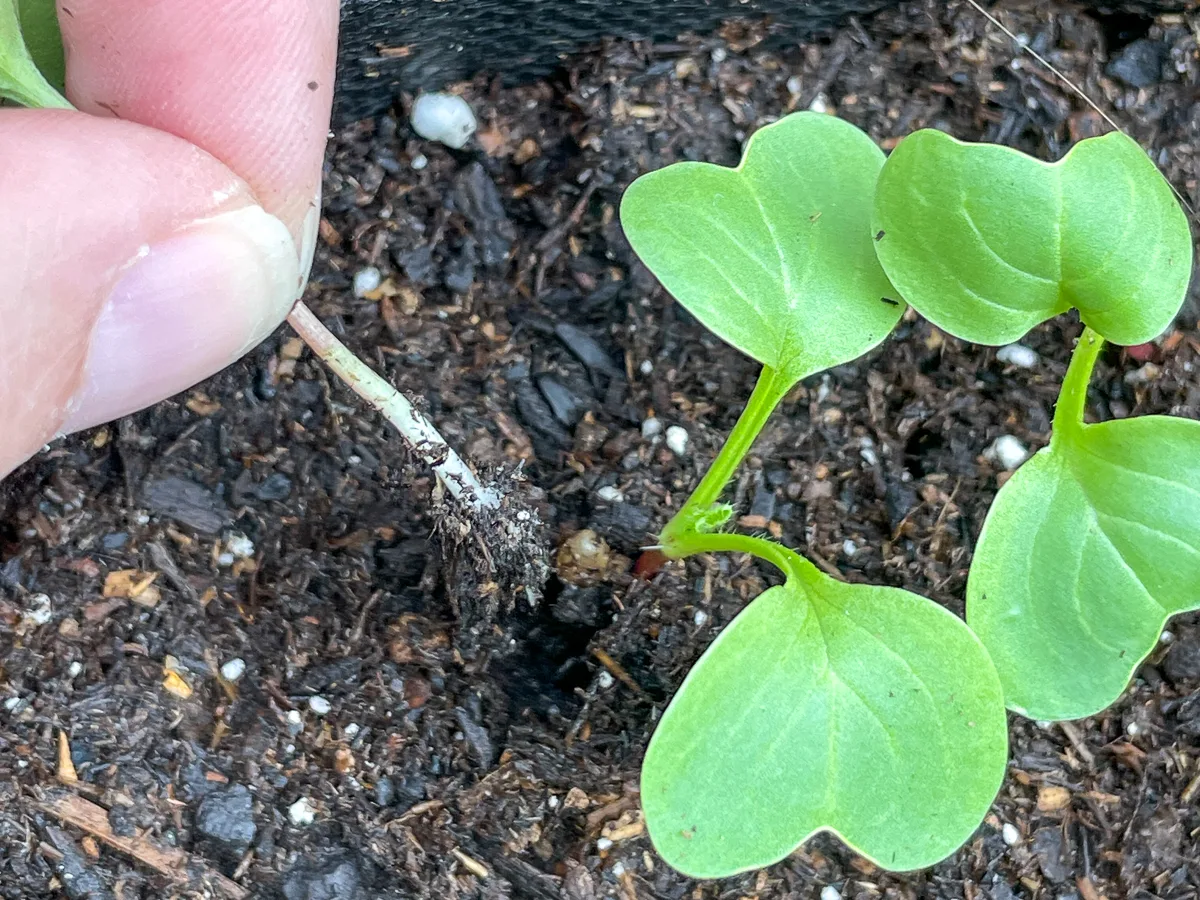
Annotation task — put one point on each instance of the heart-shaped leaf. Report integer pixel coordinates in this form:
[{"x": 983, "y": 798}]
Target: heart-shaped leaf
[
  {"x": 20, "y": 80},
  {"x": 775, "y": 256},
  {"x": 864, "y": 711},
  {"x": 986, "y": 242},
  {"x": 1087, "y": 551}
]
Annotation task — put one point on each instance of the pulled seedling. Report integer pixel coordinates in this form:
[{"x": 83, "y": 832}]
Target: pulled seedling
[{"x": 489, "y": 522}]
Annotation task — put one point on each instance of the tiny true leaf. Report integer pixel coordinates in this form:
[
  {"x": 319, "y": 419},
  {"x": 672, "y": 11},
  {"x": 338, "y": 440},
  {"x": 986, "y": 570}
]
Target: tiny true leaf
[
  {"x": 20, "y": 80},
  {"x": 865, "y": 711},
  {"x": 987, "y": 242},
  {"x": 1087, "y": 551},
  {"x": 776, "y": 256}
]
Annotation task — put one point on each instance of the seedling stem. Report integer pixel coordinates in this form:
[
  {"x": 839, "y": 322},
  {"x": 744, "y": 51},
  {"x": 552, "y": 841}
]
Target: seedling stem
[
  {"x": 1072, "y": 399},
  {"x": 792, "y": 564},
  {"x": 676, "y": 536},
  {"x": 422, "y": 437}
]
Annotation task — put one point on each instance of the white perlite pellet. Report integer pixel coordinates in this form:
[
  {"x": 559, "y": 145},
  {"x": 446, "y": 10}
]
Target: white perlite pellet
[
  {"x": 1007, "y": 451},
  {"x": 1018, "y": 355},
  {"x": 677, "y": 440},
  {"x": 301, "y": 812},
  {"x": 445, "y": 118},
  {"x": 233, "y": 670}
]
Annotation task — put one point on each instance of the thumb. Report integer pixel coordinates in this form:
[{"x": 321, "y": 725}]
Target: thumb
[{"x": 132, "y": 266}]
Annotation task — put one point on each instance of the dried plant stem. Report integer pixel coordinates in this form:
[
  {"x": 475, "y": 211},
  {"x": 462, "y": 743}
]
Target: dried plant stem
[{"x": 420, "y": 434}]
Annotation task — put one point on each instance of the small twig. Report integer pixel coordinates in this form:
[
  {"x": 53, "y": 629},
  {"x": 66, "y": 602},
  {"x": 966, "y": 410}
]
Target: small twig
[
  {"x": 419, "y": 810},
  {"x": 360, "y": 625},
  {"x": 66, "y": 767},
  {"x": 244, "y": 866},
  {"x": 165, "y": 563},
  {"x": 941, "y": 518},
  {"x": 1192, "y": 789},
  {"x": 472, "y": 865},
  {"x": 616, "y": 669},
  {"x": 420, "y": 434},
  {"x": 166, "y": 861},
  {"x": 825, "y": 565},
  {"x": 1076, "y": 739},
  {"x": 837, "y": 58},
  {"x": 560, "y": 229},
  {"x": 1137, "y": 807}
]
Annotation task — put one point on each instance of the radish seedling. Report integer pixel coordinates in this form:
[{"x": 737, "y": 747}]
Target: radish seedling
[
  {"x": 865, "y": 711},
  {"x": 1095, "y": 542}
]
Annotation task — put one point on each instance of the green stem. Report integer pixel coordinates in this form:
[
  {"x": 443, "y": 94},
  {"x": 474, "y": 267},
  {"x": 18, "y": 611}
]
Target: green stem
[
  {"x": 1072, "y": 397},
  {"x": 791, "y": 563},
  {"x": 768, "y": 392}
]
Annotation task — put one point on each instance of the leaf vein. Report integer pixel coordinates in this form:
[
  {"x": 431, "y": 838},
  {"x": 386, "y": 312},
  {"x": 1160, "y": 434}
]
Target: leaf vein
[
  {"x": 1125, "y": 564},
  {"x": 753, "y": 307},
  {"x": 1182, "y": 544},
  {"x": 1125, "y": 467},
  {"x": 992, "y": 251}
]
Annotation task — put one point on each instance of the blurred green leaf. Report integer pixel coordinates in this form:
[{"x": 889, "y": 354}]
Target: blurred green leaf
[
  {"x": 20, "y": 80},
  {"x": 39, "y": 25}
]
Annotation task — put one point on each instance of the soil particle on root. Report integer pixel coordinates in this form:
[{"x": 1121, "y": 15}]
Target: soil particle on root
[{"x": 474, "y": 744}]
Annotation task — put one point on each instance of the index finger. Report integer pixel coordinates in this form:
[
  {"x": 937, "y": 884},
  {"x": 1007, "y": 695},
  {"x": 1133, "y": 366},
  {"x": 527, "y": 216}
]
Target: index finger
[{"x": 249, "y": 82}]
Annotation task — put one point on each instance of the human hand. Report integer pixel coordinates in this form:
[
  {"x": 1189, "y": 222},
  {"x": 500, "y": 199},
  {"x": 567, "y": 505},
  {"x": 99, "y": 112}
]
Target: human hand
[{"x": 158, "y": 234}]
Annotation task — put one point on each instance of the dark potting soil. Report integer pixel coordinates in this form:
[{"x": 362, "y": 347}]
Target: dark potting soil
[{"x": 296, "y": 707}]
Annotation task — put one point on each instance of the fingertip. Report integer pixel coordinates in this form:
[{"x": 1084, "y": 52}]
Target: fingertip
[{"x": 251, "y": 83}]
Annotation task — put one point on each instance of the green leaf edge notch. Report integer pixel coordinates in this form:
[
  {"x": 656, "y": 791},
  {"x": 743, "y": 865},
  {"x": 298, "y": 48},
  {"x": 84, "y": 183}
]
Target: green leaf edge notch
[{"x": 858, "y": 303}]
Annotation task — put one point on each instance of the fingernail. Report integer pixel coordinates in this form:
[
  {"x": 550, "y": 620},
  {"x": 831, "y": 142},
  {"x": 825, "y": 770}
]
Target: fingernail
[
  {"x": 187, "y": 307},
  {"x": 308, "y": 237}
]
